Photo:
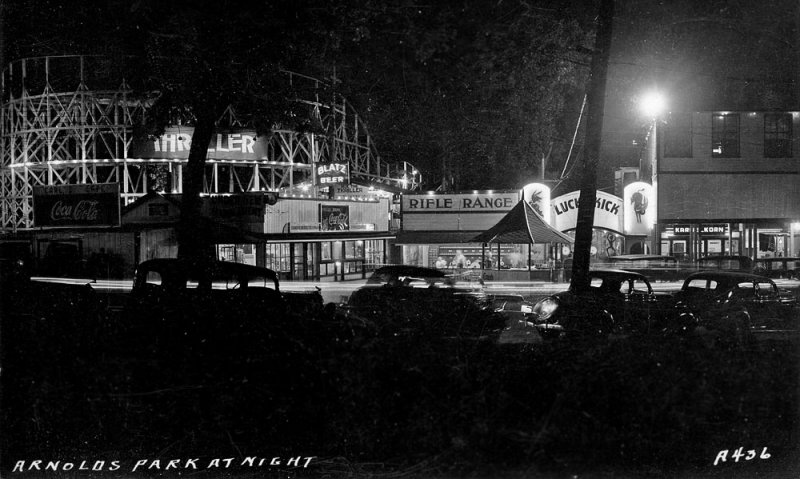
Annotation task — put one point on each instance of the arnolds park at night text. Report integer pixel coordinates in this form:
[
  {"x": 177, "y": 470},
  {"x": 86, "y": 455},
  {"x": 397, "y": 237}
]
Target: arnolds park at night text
[{"x": 151, "y": 465}]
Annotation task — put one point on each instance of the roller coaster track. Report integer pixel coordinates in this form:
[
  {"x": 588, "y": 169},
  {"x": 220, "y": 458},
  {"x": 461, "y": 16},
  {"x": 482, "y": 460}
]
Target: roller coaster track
[{"x": 70, "y": 120}]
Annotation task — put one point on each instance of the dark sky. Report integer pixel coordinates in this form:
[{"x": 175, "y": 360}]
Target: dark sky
[{"x": 709, "y": 55}]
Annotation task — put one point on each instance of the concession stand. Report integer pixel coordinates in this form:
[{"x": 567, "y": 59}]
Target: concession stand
[{"x": 523, "y": 225}]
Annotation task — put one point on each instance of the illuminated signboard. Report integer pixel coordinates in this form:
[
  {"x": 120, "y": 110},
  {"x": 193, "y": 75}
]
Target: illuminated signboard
[
  {"x": 76, "y": 205},
  {"x": 476, "y": 211},
  {"x": 224, "y": 145},
  {"x": 334, "y": 217},
  {"x": 712, "y": 229},
  {"x": 332, "y": 174},
  {"x": 607, "y": 212},
  {"x": 538, "y": 196},
  {"x": 463, "y": 202},
  {"x": 640, "y": 211},
  {"x": 706, "y": 229}
]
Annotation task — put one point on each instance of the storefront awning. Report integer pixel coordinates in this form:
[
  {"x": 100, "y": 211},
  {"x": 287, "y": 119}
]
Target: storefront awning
[{"x": 522, "y": 225}]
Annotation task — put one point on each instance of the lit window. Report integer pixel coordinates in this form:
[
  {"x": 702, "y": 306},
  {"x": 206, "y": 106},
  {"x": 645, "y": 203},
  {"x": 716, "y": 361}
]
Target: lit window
[
  {"x": 777, "y": 135},
  {"x": 725, "y": 136}
]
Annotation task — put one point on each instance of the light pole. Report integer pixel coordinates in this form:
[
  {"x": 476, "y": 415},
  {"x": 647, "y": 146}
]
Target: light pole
[{"x": 652, "y": 105}]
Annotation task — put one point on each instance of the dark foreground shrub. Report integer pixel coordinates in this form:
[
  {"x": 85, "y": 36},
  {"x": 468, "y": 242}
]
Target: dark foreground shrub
[{"x": 377, "y": 395}]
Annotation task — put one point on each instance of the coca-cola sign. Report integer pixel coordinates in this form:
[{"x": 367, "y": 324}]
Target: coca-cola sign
[
  {"x": 76, "y": 205},
  {"x": 334, "y": 217}
]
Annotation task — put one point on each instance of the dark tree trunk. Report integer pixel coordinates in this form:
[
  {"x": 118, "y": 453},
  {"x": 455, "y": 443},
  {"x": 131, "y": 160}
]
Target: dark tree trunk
[
  {"x": 194, "y": 243},
  {"x": 594, "y": 130}
]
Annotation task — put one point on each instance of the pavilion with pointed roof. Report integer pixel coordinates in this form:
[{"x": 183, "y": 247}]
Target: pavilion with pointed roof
[{"x": 522, "y": 225}]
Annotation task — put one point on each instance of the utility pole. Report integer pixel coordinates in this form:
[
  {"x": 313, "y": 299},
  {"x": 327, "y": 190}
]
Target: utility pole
[{"x": 594, "y": 129}]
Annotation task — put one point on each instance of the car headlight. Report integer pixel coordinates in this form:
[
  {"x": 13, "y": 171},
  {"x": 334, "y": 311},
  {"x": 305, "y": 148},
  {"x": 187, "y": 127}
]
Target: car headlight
[{"x": 545, "y": 308}]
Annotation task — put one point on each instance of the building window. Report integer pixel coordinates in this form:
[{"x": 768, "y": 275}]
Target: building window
[
  {"x": 777, "y": 135},
  {"x": 374, "y": 252},
  {"x": 277, "y": 257},
  {"x": 325, "y": 251},
  {"x": 354, "y": 249},
  {"x": 725, "y": 136},
  {"x": 678, "y": 136}
]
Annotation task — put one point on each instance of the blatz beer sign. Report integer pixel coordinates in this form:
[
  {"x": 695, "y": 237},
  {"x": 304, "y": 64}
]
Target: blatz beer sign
[
  {"x": 76, "y": 205},
  {"x": 332, "y": 174}
]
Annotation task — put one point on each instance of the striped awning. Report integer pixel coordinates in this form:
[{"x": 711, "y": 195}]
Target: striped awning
[{"x": 522, "y": 225}]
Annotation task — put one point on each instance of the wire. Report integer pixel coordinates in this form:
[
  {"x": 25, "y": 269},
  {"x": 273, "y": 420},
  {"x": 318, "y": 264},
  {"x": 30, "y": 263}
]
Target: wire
[{"x": 574, "y": 136}]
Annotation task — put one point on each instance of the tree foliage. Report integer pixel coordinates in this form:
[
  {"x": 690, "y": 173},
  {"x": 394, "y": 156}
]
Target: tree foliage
[{"x": 471, "y": 92}]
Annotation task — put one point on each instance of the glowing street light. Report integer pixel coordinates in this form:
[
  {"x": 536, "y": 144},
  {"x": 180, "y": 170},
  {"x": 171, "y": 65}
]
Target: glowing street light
[{"x": 652, "y": 104}]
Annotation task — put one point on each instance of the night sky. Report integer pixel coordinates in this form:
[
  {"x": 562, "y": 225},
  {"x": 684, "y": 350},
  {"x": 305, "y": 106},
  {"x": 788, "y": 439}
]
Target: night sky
[
  {"x": 454, "y": 86},
  {"x": 715, "y": 55}
]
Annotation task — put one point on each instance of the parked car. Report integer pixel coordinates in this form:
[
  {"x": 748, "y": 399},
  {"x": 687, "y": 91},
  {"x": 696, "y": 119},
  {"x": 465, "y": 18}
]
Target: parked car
[
  {"x": 178, "y": 303},
  {"x": 513, "y": 305},
  {"x": 519, "y": 327},
  {"x": 16, "y": 261},
  {"x": 422, "y": 277},
  {"x": 26, "y": 297},
  {"x": 386, "y": 274},
  {"x": 782, "y": 267},
  {"x": 726, "y": 263},
  {"x": 419, "y": 302},
  {"x": 618, "y": 302},
  {"x": 733, "y": 300},
  {"x": 654, "y": 267},
  {"x": 63, "y": 313}
]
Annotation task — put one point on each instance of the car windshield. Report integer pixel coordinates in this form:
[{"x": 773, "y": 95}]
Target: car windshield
[{"x": 766, "y": 289}]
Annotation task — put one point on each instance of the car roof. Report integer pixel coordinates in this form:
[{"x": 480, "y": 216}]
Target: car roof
[
  {"x": 409, "y": 270},
  {"x": 503, "y": 296},
  {"x": 728, "y": 276},
  {"x": 723, "y": 257},
  {"x": 224, "y": 268},
  {"x": 399, "y": 270},
  {"x": 610, "y": 272},
  {"x": 635, "y": 257}
]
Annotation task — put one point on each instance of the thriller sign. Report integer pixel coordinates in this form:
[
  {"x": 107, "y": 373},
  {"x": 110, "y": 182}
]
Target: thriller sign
[
  {"x": 224, "y": 145},
  {"x": 76, "y": 205}
]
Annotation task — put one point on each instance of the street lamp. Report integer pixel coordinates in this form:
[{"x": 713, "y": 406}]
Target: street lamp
[{"x": 652, "y": 105}]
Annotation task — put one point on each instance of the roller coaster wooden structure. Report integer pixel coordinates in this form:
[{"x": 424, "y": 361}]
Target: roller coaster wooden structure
[{"x": 68, "y": 120}]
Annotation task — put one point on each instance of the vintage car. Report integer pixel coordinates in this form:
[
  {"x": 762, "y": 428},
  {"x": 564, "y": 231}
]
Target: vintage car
[
  {"x": 512, "y": 305},
  {"x": 781, "y": 267},
  {"x": 24, "y": 295},
  {"x": 750, "y": 301},
  {"x": 617, "y": 303},
  {"x": 434, "y": 306},
  {"x": 725, "y": 263},
  {"x": 176, "y": 302},
  {"x": 518, "y": 312},
  {"x": 386, "y": 274},
  {"x": 654, "y": 267}
]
